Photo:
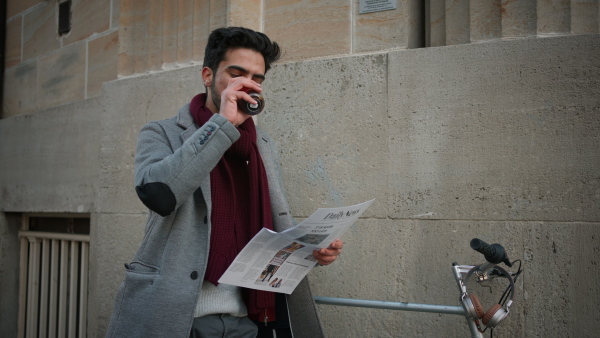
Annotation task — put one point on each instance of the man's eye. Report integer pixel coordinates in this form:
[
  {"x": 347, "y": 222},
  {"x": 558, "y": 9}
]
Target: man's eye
[{"x": 234, "y": 75}]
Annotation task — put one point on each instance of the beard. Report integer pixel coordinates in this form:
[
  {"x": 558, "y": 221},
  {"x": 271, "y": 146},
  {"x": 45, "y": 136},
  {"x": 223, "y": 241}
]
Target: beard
[{"x": 214, "y": 96}]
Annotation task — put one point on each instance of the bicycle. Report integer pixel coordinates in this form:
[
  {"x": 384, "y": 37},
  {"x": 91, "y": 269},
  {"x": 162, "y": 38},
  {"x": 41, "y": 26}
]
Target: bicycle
[{"x": 478, "y": 320}]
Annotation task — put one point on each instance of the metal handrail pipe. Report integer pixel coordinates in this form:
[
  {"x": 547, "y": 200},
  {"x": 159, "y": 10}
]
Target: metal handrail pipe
[{"x": 402, "y": 306}]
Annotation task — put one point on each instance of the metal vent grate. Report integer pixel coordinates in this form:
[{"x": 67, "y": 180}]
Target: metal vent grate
[{"x": 53, "y": 280}]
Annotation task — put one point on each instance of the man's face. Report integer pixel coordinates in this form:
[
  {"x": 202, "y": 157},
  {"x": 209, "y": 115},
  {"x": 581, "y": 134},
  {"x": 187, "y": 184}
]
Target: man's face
[{"x": 237, "y": 62}]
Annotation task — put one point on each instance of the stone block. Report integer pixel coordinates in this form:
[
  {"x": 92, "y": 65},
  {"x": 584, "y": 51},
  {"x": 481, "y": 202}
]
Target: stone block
[
  {"x": 585, "y": 17},
  {"x": 142, "y": 45},
  {"x": 457, "y": 22},
  {"x": 208, "y": 16},
  {"x": 126, "y": 21},
  {"x": 116, "y": 13},
  {"x": 40, "y": 32},
  {"x": 201, "y": 28},
  {"x": 61, "y": 76},
  {"x": 50, "y": 159},
  {"x": 142, "y": 16},
  {"x": 14, "y": 7},
  {"x": 524, "y": 148},
  {"x": 383, "y": 30},
  {"x": 19, "y": 98},
  {"x": 219, "y": 12},
  {"x": 553, "y": 17},
  {"x": 518, "y": 18},
  {"x": 485, "y": 20},
  {"x": 117, "y": 238},
  {"x": 153, "y": 36},
  {"x": 12, "y": 52},
  {"x": 185, "y": 16},
  {"x": 88, "y": 17},
  {"x": 435, "y": 16},
  {"x": 560, "y": 280},
  {"x": 329, "y": 120},
  {"x": 308, "y": 29},
  {"x": 244, "y": 13},
  {"x": 186, "y": 27},
  {"x": 128, "y": 104},
  {"x": 169, "y": 32},
  {"x": 102, "y": 62}
]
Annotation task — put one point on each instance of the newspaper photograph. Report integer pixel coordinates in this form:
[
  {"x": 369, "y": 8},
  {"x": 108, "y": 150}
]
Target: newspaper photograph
[{"x": 277, "y": 262}]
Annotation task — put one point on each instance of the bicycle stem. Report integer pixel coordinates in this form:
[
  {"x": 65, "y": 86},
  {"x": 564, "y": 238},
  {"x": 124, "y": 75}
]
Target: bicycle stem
[{"x": 458, "y": 270}]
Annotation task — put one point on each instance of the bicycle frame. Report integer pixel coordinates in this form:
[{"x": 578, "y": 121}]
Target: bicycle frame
[{"x": 458, "y": 271}]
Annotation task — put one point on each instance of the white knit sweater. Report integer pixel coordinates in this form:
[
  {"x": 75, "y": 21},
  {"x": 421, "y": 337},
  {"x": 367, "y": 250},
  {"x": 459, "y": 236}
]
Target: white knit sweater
[{"x": 223, "y": 298}]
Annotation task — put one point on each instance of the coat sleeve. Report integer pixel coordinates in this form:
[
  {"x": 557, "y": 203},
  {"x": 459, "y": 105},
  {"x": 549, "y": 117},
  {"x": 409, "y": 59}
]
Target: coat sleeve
[{"x": 166, "y": 175}]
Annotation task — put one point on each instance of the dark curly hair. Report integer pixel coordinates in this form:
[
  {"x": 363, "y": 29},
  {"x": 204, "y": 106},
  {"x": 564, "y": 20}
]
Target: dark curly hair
[{"x": 223, "y": 39}]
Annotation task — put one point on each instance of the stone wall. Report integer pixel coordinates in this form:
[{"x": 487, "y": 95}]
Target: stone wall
[{"x": 44, "y": 69}]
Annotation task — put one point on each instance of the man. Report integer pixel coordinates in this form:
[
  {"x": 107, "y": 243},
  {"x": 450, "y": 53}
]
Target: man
[{"x": 211, "y": 180}]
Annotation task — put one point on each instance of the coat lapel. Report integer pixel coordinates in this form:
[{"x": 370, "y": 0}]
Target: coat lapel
[{"x": 282, "y": 217}]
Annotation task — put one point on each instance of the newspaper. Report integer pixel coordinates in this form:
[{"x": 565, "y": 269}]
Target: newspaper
[{"x": 277, "y": 262}]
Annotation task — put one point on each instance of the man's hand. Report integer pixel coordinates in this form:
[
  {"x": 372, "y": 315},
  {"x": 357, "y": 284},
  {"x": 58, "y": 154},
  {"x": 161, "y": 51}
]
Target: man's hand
[
  {"x": 329, "y": 255},
  {"x": 236, "y": 90}
]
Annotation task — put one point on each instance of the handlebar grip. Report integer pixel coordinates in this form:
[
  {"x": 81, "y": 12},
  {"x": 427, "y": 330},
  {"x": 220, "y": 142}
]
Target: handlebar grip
[
  {"x": 494, "y": 253},
  {"x": 483, "y": 248}
]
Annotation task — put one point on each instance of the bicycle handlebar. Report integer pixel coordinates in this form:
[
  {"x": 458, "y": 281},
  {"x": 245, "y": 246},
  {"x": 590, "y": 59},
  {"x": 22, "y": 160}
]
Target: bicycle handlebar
[{"x": 494, "y": 253}]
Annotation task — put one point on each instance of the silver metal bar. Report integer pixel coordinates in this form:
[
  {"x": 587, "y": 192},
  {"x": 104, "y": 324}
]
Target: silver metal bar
[
  {"x": 44, "y": 285},
  {"x": 63, "y": 288},
  {"x": 52, "y": 312},
  {"x": 83, "y": 289},
  {"x": 33, "y": 290},
  {"x": 376, "y": 304},
  {"x": 23, "y": 287},
  {"x": 55, "y": 235},
  {"x": 73, "y": 282}
]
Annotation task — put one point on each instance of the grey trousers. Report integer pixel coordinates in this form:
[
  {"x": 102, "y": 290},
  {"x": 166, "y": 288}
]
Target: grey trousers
[{"x": 223, "y": 325}]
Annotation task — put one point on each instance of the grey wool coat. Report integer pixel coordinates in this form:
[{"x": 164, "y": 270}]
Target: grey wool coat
[{"x": 162, "y": 283}]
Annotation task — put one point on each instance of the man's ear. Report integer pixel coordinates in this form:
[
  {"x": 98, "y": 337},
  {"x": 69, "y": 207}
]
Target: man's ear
[{"x": 207, "y": 76}]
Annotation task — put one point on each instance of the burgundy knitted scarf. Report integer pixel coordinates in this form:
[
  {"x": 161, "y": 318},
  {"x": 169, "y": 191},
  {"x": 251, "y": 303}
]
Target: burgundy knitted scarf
[{"x": 240, "y": 206}]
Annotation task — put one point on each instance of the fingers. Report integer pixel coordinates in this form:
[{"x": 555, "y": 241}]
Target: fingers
[
  {"x": 325, "y": 256},
  {"x": 236, "y": 90},
  {"x": 330, "y": 254},
  {"x": 337, "y": 244},
  {"x": 244, "y": 84},
  {"x": 239, "y": 87}
]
